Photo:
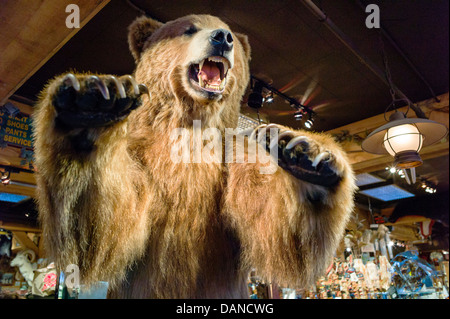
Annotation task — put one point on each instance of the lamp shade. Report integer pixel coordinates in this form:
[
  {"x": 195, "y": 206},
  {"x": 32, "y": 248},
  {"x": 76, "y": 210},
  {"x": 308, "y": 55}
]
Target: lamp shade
[{"x": 403, "y": 138}]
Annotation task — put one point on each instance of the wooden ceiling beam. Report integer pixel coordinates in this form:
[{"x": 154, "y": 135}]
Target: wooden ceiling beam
[
  {"x": 18, "y": 190},
  {"x": 32, "y": 32},
  {"x": 19, "y": 227}
]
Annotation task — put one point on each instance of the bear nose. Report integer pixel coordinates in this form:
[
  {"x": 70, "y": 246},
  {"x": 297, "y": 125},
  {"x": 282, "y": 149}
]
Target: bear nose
[{"x": 221, "y": 39}]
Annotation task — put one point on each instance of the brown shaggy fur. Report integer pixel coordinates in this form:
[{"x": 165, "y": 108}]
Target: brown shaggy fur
[{"x": 127, "y": 214}]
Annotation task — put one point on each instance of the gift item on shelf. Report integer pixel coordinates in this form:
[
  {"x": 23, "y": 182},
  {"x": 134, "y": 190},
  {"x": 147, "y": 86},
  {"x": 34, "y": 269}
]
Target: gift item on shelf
[
  {"x": 256, "y": 287},
  {"x": 44, "y": 282},
  {"x": 351, "y": 279},
  {"x": 412, "y": 275},
  {"x": 405, "y": 277}
]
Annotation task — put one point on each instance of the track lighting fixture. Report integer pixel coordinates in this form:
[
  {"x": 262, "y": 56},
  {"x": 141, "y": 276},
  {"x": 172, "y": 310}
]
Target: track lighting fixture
[{"x": 256, "y": 100}]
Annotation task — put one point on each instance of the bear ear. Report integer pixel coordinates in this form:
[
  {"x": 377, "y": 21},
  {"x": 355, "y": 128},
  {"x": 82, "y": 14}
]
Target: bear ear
[
  {"x": 245, "y": 44},
  {"x": 138, "y": 33}
]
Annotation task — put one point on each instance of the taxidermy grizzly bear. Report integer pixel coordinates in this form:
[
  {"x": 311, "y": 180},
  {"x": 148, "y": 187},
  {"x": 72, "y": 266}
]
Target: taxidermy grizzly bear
[{"x": 113, "y": 200}]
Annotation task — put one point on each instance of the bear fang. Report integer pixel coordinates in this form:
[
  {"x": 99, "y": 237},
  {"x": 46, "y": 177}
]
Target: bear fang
[{"x": 193, "y": 309}]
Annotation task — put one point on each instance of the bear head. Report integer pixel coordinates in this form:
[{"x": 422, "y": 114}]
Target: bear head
[{"x": 195, "y": 68}]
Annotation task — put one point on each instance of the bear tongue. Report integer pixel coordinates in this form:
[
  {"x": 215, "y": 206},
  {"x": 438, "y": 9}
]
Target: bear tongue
[{"x": 210, "y": 74}]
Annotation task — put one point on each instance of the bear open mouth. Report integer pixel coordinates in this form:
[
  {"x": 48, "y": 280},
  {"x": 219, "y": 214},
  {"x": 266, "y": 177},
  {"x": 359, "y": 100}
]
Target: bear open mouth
[{"x": 210, "y": 74}]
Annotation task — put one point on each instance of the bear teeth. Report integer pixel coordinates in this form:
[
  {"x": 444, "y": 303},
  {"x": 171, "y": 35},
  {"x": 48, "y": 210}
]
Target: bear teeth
[
  {"x": 216, "y": 59},
  {"x": 222, "y": 86},
  {"x": 219, "y": 59},
  {"x": 218, "y": 85}
]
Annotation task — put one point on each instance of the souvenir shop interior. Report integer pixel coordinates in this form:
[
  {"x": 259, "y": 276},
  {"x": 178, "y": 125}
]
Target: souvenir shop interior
[
  {"x": 350, "y": 69},
  {"x": 375, "y": 261}
]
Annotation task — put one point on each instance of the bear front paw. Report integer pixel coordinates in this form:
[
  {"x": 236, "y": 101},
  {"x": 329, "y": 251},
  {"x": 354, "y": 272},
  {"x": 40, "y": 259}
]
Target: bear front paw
[
  {"x": 302, "y": 156},
  {"x": 91, "y": 101}
]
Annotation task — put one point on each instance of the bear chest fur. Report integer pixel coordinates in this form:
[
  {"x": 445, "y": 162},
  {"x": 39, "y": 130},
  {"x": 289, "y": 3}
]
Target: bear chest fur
[{"x": 189, "y": 240}]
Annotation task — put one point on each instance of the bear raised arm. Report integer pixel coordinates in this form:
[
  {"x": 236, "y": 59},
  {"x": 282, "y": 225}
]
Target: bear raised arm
[{"x": 113, "y": 201}]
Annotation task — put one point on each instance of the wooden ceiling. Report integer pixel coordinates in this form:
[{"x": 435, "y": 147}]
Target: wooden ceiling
[{"x": 291, "y": 49}]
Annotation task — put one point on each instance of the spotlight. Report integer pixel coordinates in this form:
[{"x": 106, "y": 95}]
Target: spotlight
[
  {"x": 309, "y": 123},
  {"x": 298, "y": 115},
  {"x": 430, "y": 190},
  {"x": 5, "y": 179},
  {"x": 392, "y": 170},
  {"x": 255, "y": 99},
  {"x": 428, "y": 186},
  {"x": 269, "y": 98}
]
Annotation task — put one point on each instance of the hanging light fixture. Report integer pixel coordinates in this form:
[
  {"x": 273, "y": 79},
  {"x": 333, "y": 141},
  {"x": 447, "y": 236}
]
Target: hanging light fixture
[{"x": 403, "y": 137}]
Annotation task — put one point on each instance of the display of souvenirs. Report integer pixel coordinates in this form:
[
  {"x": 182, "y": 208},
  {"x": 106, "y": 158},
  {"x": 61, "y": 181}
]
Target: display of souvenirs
[
  {"x": 407, "y": 277},
  {"x": 411, "y": 273},
  {"x": 353, "y": 279},
  {"x": 256, "y": 288}
]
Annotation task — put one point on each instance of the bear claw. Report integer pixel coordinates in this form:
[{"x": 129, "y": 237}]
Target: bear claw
[
  {"x": 71, "y": 80},
  {"x": 143, "y": 89},
  {"x": 95, "y": 101},
  {"x": 119, "y": 86},
  {"x": 299, "y": 155},
  {"x": 100, "y": 85},
  {"x": 129, "y": 78},
  {"x": 281, "y": 136},
  {"x": 324, "y": 156},
  {"x": 295, "y": 141}
]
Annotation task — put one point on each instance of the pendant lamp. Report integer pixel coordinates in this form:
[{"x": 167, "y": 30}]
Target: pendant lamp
[{"x": 403, "y": 138}]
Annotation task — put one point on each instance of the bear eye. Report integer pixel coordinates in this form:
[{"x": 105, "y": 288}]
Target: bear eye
[{"x": 192, "y": 29}]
